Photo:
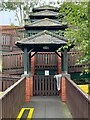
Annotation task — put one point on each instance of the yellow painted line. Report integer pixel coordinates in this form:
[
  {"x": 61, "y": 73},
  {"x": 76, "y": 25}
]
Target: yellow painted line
[
  {"x": 30, "y": 114},
  {"x": 31, "y": 110},
  {"x": 20, "y": 114},
  {"x": 1, "y": 92}
]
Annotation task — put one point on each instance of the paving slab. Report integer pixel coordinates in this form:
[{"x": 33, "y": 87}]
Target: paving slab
[{"x": 48, "y": 107}]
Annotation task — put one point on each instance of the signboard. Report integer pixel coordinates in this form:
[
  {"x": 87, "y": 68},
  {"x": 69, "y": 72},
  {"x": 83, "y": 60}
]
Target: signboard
[
  {"x": 46, "y": 72},
  {"x": 85, "y": 87}
]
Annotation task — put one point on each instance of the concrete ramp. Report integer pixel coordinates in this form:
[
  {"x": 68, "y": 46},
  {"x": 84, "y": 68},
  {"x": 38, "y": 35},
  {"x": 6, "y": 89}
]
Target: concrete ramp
[{"x": 48, "y": 107}]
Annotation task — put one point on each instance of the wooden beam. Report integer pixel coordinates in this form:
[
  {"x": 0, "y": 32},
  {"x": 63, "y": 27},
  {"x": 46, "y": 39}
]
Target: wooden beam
[
  {"x": 58, "y": 54},
  {"x": 30, "y": 50},
  {"x": 33, "y": 54}
]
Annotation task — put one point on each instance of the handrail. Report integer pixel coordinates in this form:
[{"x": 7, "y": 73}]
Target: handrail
[
  {"x": 77, "y": 100},
  {"x": 10, "y": 88},
  {"x": 78, "y": 89},
  {"x": 12, "y": 99}
]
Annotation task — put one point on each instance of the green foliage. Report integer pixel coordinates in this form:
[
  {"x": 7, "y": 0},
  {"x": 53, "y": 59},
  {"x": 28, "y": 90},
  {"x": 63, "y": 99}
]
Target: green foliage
[{"x": 76, "y": 14}]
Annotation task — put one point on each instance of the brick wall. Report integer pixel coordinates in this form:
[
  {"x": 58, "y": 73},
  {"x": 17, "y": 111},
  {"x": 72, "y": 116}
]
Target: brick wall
[
  {"x": 63, "y": 89},
  {"x": 29, "y": 88},
  {"x": 32, "y": 64}
]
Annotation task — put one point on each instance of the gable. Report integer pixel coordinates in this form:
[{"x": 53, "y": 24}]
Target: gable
[{"x": 45, "y": 22}]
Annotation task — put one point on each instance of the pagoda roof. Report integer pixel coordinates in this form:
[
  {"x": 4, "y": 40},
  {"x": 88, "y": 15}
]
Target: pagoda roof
[
  {"x": 45, "y": 13},
  {"x": 46, "y": 22},
  {"x": 45, "y": 7},
  {"x": 44, "y": 38}
]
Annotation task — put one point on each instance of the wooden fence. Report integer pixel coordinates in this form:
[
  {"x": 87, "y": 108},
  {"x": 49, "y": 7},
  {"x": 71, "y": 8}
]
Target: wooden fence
[
  {"x": 13, "y": 62},
  {"x": 44, "y": 85},
  {"x": 6, "y": 81},
  {"x": 46, "y": 58},
  {"x": 12, "y": 99},
  {"x": 77, "y": 100},
  {"x": 73, "y": 66}
]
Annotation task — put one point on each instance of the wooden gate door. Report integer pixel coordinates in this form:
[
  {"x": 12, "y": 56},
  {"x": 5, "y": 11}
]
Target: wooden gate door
[{"x": 44, "y": 86}]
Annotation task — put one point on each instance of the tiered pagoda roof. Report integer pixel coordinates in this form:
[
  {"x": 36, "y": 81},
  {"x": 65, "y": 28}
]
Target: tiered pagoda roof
[
  {"x": 41, "y": 40},
  {"x": 45, "y": 11},
  {"x": 46, "y": 23},
  {"x": 45, "y": 7}
]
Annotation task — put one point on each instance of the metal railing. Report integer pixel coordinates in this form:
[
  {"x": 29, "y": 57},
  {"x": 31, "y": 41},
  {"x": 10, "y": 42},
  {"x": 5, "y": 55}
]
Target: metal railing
[
  {"x": 12, "y": 99},
  {"x": 77, "y": 100}
]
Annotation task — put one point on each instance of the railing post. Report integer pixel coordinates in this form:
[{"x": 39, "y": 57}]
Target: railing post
[{"x": 63, "y": 87}]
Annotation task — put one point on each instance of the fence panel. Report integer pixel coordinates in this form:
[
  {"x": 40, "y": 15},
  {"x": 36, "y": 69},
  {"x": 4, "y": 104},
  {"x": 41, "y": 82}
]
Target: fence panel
[
  {"x": 77, "y": 100},
  {"x": 12, "y": 99},
  {"x": 13, "y": 62},
  {"x": 6, "y": 81}
]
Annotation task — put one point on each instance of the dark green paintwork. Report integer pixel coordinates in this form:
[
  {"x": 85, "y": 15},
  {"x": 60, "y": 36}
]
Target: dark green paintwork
[
  {"x": 78, "y": 76},
  {"x": 25, "y": 61}
]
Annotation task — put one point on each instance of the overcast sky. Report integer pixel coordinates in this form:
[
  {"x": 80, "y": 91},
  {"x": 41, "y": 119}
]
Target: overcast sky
[{"x": 7, "y": 18}]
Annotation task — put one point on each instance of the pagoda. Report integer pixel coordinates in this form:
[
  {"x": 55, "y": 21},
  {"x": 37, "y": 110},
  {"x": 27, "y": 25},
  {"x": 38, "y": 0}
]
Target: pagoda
[{"x": 45, "y": 33}]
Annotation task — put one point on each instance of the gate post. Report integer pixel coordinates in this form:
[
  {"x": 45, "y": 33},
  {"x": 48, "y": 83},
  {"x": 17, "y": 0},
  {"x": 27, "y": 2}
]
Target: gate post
[
  {"x": 63, "y": 89},
  {"x": 29, "y": 88}
]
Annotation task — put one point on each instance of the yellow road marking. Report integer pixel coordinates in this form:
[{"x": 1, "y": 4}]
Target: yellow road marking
[
  {"x": 20, "y": 114},
  {"x": 29, "y": 114}
]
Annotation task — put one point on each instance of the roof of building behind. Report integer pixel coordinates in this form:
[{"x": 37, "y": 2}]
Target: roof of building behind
[{"x": 9, "y": 27}]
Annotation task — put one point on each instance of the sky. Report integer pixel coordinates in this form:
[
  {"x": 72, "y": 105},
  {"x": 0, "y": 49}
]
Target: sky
[{"x": 7, "y": 18}]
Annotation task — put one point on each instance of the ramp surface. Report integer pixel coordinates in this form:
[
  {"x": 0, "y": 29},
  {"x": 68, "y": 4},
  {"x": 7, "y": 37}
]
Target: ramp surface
[{"x": 48, "y": 107}]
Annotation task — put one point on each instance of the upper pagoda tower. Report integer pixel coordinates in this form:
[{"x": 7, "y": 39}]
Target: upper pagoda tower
[
  {"x": 44, "y": 12},
  {"x": 45, "y": 18}
]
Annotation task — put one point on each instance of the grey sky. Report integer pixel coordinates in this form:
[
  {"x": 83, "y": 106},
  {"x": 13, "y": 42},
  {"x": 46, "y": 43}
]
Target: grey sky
[{"x": 7, "y": 18}]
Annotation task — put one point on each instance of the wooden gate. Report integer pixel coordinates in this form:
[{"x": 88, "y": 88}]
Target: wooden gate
[{"x": 44, "y": 86}]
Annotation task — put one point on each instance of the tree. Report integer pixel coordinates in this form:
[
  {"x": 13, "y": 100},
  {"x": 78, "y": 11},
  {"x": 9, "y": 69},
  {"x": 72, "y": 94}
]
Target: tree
[
  {"x": 21, "y": 8},
  {"x": 76, "y": 15}
]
